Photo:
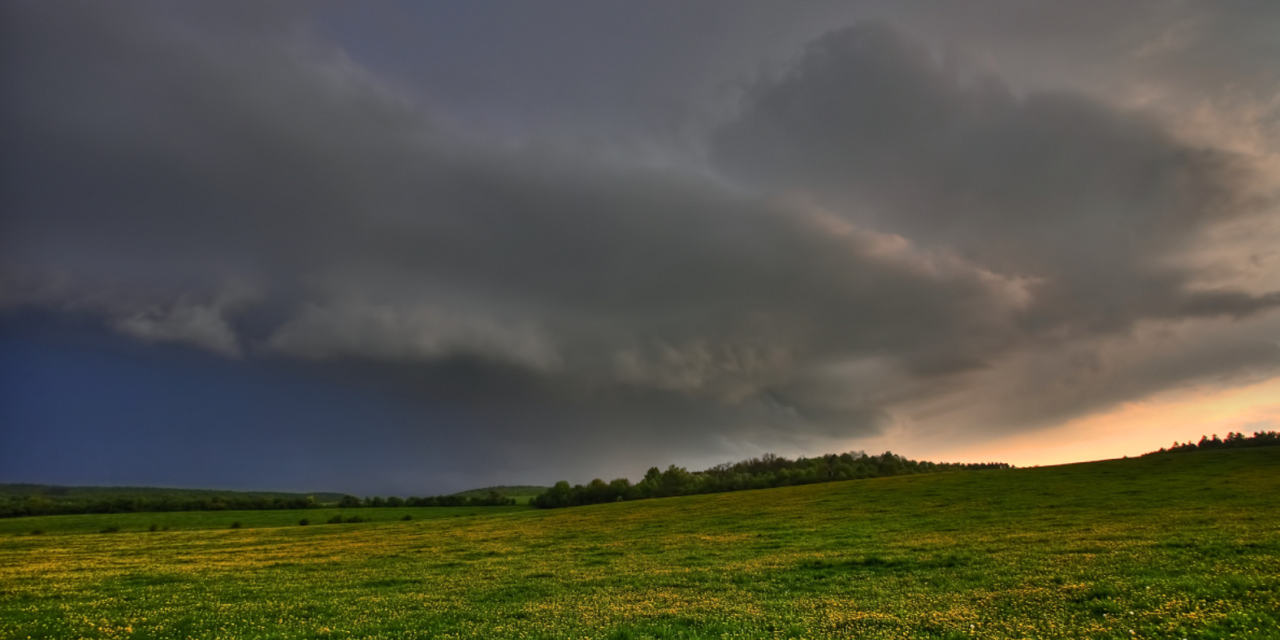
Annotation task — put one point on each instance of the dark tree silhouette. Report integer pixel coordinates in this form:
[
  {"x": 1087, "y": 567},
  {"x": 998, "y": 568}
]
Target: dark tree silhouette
[{"x": 766, "y": 471}]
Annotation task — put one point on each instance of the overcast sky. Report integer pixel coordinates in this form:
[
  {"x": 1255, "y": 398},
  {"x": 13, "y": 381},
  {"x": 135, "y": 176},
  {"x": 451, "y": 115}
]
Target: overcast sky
[{"x": 419, "y": 247}]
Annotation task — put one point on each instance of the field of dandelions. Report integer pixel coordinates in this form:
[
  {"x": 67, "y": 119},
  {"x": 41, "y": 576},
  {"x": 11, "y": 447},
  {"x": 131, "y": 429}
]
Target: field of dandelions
[{"x": 1167, "y": 546}]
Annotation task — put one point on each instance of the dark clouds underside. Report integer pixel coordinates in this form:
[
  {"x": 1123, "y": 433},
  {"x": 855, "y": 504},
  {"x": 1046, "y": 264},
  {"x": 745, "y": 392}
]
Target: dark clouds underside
[{"x": 874, "y": 230}]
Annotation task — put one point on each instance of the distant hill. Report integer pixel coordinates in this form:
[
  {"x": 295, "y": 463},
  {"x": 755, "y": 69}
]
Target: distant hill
[
  {"x": 1165, "y": 546},
  {"x": 767, "y": 471},
  {"x": 521, "y": 493},
  {"x": 54, "y": 491},
  {"x": 37, "y": 499}
]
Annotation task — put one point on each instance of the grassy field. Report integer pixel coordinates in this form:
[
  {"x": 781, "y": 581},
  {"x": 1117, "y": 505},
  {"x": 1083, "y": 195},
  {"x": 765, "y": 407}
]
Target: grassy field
[
  {"x": 1171, "y": 546},
  {"x": 522, "y": 493},
  {"x": 203, "y": 520}
]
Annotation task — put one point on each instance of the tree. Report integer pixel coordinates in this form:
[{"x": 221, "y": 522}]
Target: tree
[{"x": 556, "y": 496}]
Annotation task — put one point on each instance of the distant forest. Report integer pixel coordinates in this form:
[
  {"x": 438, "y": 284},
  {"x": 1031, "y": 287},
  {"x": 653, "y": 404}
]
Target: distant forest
[
  {"x": 764, "y": 472},
  {"x": 40, "y": 500},
  {"x": 1232, "y": 441},
  {"x": 510, "y": 491},
  {"x": 757, "y": 473}
]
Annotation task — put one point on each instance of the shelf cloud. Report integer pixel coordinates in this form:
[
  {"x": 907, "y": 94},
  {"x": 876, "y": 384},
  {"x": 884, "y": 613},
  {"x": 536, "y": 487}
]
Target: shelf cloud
[{"x": 868, "y": 232}]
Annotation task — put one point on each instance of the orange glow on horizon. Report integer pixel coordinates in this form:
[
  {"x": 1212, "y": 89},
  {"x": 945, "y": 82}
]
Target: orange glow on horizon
[
  {"x": 1131, "y": 429},
  {"x": 1138, "y": 427}
]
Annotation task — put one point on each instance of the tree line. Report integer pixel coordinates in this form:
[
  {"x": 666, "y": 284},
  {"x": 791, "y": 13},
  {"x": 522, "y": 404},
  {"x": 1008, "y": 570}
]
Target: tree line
[
  {"x": 44, "y": 505},
  {"x": 765, "y": 472},
  {"x": 491, "y": 499},
  {"x": 41, "y": 500},
  {"x": 1234, "y": 440}
]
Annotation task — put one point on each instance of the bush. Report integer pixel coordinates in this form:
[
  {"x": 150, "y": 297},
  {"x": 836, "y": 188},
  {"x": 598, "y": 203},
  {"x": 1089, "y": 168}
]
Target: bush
[
  {"x": 235, "y": 525},
  {"x": 338, "y": 519},
  {"x": 110, "y": 530},
  {"x": 304, "y": 522},
  {"x": 153, "y": 528},
  {"x": 37, "y": 532},
  {"x": 406, "y": 517}
]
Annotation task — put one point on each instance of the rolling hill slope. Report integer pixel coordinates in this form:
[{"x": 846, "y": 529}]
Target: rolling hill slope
[{"x": 1179, "y": 545}]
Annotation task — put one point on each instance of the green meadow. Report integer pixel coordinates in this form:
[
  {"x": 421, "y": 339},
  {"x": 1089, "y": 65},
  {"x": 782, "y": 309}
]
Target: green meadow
[
  {"x": 522, "y": 494},
  {"x": 203, "y": 520},
  {"x": 1183, "y": 545}
]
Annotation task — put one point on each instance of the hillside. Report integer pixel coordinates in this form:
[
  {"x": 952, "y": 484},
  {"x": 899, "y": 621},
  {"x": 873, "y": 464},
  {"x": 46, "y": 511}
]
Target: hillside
[
  {"x": 60, "y": 492},
  {"x": 38, "y": 499},
  {"x": 506, "y": 491},
  {"x": 1171, "y": 545}
]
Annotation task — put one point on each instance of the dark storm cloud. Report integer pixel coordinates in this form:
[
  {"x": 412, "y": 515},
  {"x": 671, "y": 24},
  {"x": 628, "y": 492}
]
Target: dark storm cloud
[
  {"x": 1096, "y": 208},
  {"x": 889, "y": 229},
  {"x": 1088, "y": 201},
  {"x": 281, "y": 167}
]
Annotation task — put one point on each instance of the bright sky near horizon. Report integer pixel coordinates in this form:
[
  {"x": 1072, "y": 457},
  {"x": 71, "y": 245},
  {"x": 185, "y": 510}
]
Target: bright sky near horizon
[
  {"x": 1130, "y": 429},
  {"x": 416, "y": 247}
]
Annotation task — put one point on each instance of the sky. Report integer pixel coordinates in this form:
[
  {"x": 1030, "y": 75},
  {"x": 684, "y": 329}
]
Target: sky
[{"x": 420, "y": 247}]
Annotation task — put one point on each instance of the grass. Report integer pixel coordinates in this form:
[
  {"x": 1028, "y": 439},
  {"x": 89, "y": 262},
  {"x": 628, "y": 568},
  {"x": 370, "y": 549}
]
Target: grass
[
  {"x": 522, "y": 493},
  {"x": 255, "y": 519},
  {"x": 523, "y": 498},
  {"x": 1181, "y": 545}
]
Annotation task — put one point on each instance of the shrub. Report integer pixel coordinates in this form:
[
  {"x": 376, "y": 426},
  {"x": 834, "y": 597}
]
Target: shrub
[
  {"x": 153, "y": 528},
  {"x": 111, "y": 529},
  {"x": 304, "y": 522},
  {"x": 338, "y": 519},
  {"x": 37, "y": 532},
  {"x": 235, "y": 525},
  {"x": 407, "y": 517}
]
